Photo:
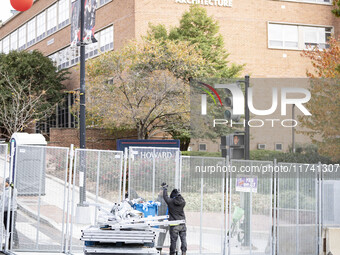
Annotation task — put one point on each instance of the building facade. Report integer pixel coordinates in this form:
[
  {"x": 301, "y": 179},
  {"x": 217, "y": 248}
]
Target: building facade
[{"x": 268, "y": 36}]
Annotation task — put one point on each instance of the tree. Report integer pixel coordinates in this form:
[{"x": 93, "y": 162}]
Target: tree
[
  {"x": 143, "y": 86},
  {"x": 336, "y": 10},
  {"x": 325, "y": 101},
  {"x": 202, "y": 31},
  {"x": 30, "y": 86}
]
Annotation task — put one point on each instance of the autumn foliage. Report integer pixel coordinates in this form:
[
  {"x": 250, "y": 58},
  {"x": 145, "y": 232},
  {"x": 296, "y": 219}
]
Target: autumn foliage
[{"x": 324, "y": 125}]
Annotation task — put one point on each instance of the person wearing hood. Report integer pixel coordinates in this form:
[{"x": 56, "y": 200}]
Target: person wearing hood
[{"x": 176, "y": 204}]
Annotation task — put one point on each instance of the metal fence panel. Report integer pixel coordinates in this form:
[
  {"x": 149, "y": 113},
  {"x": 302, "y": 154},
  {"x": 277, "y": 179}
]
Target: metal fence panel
[
  {"x": 102, "y": 185},
  {"x": 4, "y": 174},
  {"x": 40, "y": 177},
  {"x": 148, "y": 168},
  {"x": 251, "y": 218},
  {"x": 297, "y": 223},
  {"x": 204, "y": 205}
]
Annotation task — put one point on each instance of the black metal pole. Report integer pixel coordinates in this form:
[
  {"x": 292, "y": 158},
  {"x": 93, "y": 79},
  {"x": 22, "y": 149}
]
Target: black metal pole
[
  {"x": 247, "y": 205},
  {"x": 293, "y": 129},
  {"x": 82, "y": 128},
  {"x": 247, "y": 142}
]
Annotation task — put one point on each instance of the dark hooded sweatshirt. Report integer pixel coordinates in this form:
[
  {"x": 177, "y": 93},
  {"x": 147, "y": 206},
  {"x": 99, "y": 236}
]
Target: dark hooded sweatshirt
[{"x": 176, "y": 205}]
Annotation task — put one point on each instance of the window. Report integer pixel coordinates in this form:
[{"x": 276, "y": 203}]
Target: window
[
  {"x": 31, "y": 32},
  {"x": 52, "y": 19},
  {"x": 283, "y": 36},
  {"x": 316, "y": 36},
  {"x": 75, "y": 55},
  {"x": 63, "y": 58},
  {"x": 299, "y": 37},
  {"x": 22, "y": 37},
  {"x": 54, "y": 58},
  {"x": 102, "y": 2},
  {"x": 63, "y": 13},
  {"x": 278, "y": 146},
  {"x": 5, "y": 45},
  {"x": 14, "y": 40},
  {"x": 91, "y": 50},
  {"x": 106, "y": 39},
  {"x": 41, "y": 26},
  {"x": 202, "y": 147}
]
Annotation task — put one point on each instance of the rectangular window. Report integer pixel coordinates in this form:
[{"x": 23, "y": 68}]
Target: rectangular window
[
  {"x": 91, "y": 50},
  {"x": 54, "y": 58},
  {"x": 106, "y": 39},
  {"x": 283, "y": 36},
  {"x": 5, "y": 45},
  {"x": 22, "y": 37},
  {"x": 52, "y": 19},
  {"x": 14, "y": 40},
  {"x": 75, "y": 54},
  {"x": 299, "y": 37},
  {"x": 278, "y": 147},
  {"x": 63, "y": 13},
  {"x": 41, "y": 26},
  {"x": 31, "y": 32},
  {"x": 202, "y": 147},
  {"x": 63, "y": 58},
  {"x": 102, "y": 2}
]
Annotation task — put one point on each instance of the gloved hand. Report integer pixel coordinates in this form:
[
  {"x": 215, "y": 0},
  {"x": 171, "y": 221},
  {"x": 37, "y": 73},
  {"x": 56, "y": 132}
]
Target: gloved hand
[{"x": 164, "y": 185}]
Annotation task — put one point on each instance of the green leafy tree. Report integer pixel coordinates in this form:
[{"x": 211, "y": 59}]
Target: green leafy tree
[
  {"x": 30, "y": 86},
  {"x": 143, "y": 86},
  {"x": 336, "y": 10},
  {"x": 201, "y": 31}
]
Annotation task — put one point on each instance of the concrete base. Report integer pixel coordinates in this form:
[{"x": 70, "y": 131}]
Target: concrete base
[
  {"x": 83, "y": 215},
  {"x": 332, "y": 241}
]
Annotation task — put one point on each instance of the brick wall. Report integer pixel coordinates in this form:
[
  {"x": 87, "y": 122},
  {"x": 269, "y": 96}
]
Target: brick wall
[{"x": 95, "y": 138}]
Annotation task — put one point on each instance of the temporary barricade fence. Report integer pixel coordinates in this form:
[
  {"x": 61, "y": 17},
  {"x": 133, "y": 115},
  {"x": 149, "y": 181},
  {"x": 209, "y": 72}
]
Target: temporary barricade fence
[{"x": 234, "y": 211}]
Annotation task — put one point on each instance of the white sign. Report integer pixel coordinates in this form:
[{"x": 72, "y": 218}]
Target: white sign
[
  {"x": 160, "y": 154},
  {"x": 246, "y": 184},
  {"x": 219, "y": 3}
]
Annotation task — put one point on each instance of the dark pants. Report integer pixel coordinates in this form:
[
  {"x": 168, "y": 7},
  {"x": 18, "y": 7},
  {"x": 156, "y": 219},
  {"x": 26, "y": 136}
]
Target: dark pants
[
  {"x": 14, "y": 233},
  {"x": 175, "y": 231}
]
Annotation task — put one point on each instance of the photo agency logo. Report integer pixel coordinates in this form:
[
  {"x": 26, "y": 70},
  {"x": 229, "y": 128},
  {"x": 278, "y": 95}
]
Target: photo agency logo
[{"x": 232, "y": 99}]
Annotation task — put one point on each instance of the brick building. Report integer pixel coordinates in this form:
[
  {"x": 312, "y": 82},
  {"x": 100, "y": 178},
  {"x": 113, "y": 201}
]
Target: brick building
[{"x": 266, "y": 35}]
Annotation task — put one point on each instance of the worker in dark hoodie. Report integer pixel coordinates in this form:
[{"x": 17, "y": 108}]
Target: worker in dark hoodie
[{"x": 176, "y": 205}]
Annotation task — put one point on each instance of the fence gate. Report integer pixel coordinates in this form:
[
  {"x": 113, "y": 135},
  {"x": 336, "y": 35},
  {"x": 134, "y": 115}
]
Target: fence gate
[
  {"x": 97, "y": 180},
  {"x": 40, "y": 178}
]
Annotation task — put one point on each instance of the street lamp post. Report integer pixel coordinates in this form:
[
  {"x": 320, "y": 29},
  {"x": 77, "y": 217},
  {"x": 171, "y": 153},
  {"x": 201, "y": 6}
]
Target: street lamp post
[{"x": 82, "y": 117}]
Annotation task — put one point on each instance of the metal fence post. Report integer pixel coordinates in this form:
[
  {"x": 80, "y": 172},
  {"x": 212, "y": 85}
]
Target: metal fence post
[
  {"x": 97, "y": 188},
  {"x": 65, "y": 201},
  {"x": 126, "y": 156},
  {"x": 320, "y": 211},
  {"x": 3, "y": 192},
  {"x": 71, "y": 154},
  {"x": 274, "y": 213},
  {"x": 297, "y": 211}
]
